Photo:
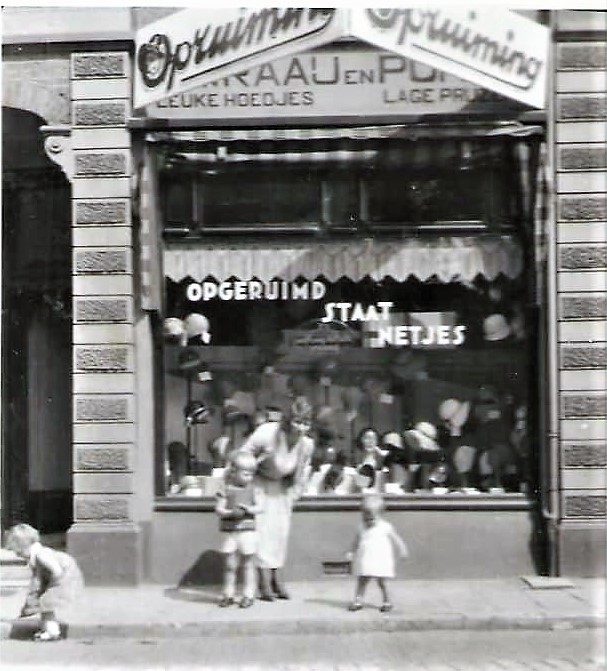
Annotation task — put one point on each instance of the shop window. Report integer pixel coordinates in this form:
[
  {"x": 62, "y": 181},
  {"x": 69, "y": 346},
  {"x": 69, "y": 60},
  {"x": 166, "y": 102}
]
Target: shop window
[
  {"x": 402, "y": 321},
  {"x": 431, "y": 374}
]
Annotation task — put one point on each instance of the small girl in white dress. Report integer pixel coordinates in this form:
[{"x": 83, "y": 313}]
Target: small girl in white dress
[{"x": 373, "y": 552}]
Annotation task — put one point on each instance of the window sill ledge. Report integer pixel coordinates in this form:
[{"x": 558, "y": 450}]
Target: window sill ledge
[{"x": 478, "y": 502}]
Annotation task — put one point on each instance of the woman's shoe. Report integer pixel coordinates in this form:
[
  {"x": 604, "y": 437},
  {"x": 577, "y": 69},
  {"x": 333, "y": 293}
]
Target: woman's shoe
[
  {"x": 278, "y": 588},
  {"x": 265, "y": 592},
  {"x": 246, "y": 602},
  {"x": 226, "y": 601},
  {"x": 355, "y": 605},
  {"x": 386, "y": 607}
]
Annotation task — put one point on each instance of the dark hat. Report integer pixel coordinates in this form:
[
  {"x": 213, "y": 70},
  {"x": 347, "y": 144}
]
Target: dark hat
[
  {"x": 197, "y": 412},
  {"x": 189, "y": 359}
]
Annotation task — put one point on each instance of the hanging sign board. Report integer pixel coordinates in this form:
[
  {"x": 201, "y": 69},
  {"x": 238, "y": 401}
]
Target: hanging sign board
[
  {"x": 195, "y": 46},
  {"x": 496, "y": 49},
  {"x": 333, "y": 83}
]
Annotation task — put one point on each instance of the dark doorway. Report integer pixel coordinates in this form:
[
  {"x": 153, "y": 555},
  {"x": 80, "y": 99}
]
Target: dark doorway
[{"x": 36, "y": 330}]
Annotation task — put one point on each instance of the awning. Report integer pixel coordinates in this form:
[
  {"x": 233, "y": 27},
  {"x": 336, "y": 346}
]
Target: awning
[
  {"x": 394, "y": 131},
  {"x": 447, "y": 258}
]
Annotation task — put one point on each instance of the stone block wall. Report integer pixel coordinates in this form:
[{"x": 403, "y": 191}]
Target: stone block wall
[
  {"x": 580, "y": 178},
  {"x": 104, "y": 408}
]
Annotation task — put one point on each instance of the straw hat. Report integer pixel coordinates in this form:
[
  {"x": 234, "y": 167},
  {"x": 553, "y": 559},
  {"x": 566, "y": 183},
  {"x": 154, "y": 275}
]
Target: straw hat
[
  {"x": 422, "y": 437},
  {"x": 495, "y": 327},
  {"x": 454, "y": 412},
  {"x": 189, "y": 359},
  {"x": 196, "y": 325},
  {"x": 393, "y": 439}
]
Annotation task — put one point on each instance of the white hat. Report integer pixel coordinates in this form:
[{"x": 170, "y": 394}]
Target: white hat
[
  {"x": 393, "y": 439},
  {"x": 422, "y": 437},
  {"x": 197, "y": 325},
  {"x": 173, "y": 329},
  {"x": 453, "y": 411},
  {"x": 495, "y": 327}
]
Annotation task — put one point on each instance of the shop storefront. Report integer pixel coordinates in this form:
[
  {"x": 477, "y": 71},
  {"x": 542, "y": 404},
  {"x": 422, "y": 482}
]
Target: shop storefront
[
  {"x": 382, "y": 273},
  {"x": 395, "y": 218}
]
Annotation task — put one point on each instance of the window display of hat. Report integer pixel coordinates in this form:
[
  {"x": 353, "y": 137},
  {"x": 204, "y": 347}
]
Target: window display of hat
[
  {"x": 197, "y": 326},
  {"x": 454, "y": 414},
  {"x": 496, "y": 328},
  {"x": 196, "y": 412},
  {"x": 422, "y": 437},
  {"x": 173, "y": 330}
]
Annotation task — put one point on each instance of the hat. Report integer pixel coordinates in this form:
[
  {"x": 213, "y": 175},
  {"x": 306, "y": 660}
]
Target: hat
[
  {"x": 422, "y": 437},
  {"x": 173, "y": 329},
  {"x": 195, "y": 325},
  {"x": 487, "y": 395},
  {"x": 231, "y": 411},
  {"x": 189, "y": 359},
  {"x": 453, "y": 411},
  {"x": 196, "y": 412},
  {"x": 495, "y": 327},
  {"x": 393, "y": 439}
]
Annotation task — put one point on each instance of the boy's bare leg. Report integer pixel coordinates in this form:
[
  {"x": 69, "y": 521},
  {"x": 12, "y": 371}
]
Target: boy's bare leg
[
  {"x": 249, "y": 576},
  {"x": 229, "y": 578}
]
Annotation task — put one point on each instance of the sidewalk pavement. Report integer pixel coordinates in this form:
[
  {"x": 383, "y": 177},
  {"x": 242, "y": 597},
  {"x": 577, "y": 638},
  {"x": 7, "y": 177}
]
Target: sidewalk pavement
[{"x": 156, "y": 611}]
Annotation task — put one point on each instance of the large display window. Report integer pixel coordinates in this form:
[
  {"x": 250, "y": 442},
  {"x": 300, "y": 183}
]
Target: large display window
[{"x": 388, "y": 290}]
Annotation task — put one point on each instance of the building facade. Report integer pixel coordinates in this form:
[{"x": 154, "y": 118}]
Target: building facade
[{"x": 421, "y": 260}]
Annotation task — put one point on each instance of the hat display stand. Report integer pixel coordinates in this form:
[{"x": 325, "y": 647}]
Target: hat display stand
[{"x": 192, "y": 369}]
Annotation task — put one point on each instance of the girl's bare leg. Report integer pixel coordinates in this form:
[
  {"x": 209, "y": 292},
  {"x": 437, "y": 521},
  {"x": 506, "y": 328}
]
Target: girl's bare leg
[
  {"x": 387, "y": 604},
  {"x": 229, "y": 578},
  {"x": 361, "y": 585}
]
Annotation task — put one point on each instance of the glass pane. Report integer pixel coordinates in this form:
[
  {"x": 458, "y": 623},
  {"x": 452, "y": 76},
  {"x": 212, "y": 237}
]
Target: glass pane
[
  {"x": 414, "y": 387},
  {"x": 261, "y": 198}
]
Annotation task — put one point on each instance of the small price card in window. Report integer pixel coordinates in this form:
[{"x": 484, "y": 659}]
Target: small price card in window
[{"x": 386, "y": 399}]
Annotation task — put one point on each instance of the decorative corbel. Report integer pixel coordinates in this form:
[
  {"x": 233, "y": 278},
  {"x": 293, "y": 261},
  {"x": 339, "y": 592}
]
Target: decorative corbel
[{"x": 58, "y": 147}]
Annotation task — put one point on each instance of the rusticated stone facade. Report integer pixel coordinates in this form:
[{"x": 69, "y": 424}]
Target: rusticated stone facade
[
  {"x": 104, "y": 400},
  {"x": 580, "y": 131}
]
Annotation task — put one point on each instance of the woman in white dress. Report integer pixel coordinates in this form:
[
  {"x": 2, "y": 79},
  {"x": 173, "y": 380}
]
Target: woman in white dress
[{"x": 284, "y": 452}]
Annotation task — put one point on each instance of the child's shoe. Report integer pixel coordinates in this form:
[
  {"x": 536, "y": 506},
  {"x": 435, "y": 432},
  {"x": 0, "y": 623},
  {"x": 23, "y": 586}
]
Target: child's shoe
[
  {"x": 355, "y": 605},
  {"x": 386, "y": 607},
  {"x": 51, "y": 632},
  {"x": 246, "y": 602},
  {"x": 226, "y": 601}
]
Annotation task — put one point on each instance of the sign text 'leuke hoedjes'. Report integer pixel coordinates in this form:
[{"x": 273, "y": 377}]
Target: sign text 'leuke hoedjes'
[{"x": 499, "y": 50}]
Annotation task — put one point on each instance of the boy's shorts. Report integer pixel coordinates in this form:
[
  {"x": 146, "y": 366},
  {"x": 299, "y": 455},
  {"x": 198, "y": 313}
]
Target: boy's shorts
[{"x": 244, "y": 542}]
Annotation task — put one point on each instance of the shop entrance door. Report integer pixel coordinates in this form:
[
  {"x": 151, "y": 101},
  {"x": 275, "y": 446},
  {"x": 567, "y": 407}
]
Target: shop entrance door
[{"x": 36, "y": 331}]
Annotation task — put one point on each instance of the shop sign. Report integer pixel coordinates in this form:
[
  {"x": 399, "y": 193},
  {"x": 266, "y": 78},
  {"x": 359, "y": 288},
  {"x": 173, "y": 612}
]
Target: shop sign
[
  {"x": 332, "y": 83},
  {"x": 193, "y": 46},
  {"x": 497, "y": 49}
]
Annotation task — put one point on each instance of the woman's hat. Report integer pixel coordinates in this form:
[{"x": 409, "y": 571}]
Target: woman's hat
[
  {"x": 189, "y": 359},
  {"x": 453, "y": 411},
  {"x": 393, "y": 439},
  {"x": 173, "y": 329},
  {"x": 422, "y": 437},
  {"x": 495, "y": 327},
  {"x": 197, "y": 412},
  {"x": 231, "y": 411},
  {"x": 196, "y": 325}
]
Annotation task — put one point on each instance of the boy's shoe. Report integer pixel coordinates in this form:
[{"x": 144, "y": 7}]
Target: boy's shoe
[
  {"x": 386, "y": 607},
  {"x": 355, "y": 605},
  {"x": 280, "y": 592},
  {"x": 246, "y": 602},
  {"x": 226, "y": 601},
  {"x": 45, "y": 637}
]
